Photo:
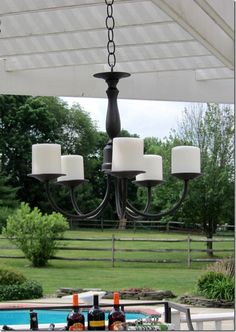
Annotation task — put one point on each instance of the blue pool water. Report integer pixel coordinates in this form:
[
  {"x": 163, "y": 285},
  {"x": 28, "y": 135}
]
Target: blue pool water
[{"x": 21, "y": 317}]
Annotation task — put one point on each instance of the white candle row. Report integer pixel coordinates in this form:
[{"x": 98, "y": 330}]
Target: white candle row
[
  {"x": 47, "y": 159},
  {"x": 127, "y": 156}
]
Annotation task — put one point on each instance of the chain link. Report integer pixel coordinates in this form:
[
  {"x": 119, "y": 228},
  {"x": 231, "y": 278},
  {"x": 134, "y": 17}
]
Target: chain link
[{"x": 110, "y": 24}]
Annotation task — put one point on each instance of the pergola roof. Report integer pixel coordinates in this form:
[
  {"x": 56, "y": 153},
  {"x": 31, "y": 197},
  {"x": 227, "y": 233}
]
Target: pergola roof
[{"x": 179, "y": 50}]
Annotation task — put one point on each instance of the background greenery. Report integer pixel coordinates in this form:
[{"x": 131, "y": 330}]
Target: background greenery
[
  {"x": 176, "y": 277},
  {"x": 25, "y": 120}
]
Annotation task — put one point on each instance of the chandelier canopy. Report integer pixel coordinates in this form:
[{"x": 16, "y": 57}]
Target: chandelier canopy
[{"x": 123, "y": 158}]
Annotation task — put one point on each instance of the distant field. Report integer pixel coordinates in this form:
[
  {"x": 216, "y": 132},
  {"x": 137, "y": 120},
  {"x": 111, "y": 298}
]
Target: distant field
[{"x": 88, "y": 274}]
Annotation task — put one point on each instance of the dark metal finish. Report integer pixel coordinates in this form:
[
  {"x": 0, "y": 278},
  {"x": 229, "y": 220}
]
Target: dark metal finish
[
  {"x": 165, "y": 212},
  {"x": 111, "y": 76},
  {"x": 186, "y": 176},
  {"x": 80, "y": 216},
  {"x": 126, "y": 174},
  {"x": 45, "y": 177},
  {"x": 148, "y": 183},
  {"x": 185, "y": 310},
  {"x": 113, "y": 125},
  {"x": 110, "y": 25},
  {"x": 72, "y": 183}
]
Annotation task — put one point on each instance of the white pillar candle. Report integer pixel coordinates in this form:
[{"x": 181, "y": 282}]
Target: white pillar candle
[
  {"x": 127, "y": 154},
  {"x": 152, "y": 168},
  {"x": 46, "y": 159},
  {"x": 73, "y": 167},
  {"x": 185, "y": 159}
]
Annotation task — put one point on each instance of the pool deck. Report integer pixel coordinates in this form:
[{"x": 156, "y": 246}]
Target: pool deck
[{"x": 154, "y": 309}]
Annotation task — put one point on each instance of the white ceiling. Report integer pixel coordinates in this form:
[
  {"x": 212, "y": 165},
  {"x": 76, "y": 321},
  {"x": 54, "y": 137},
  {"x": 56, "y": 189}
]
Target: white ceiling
[{"x": 179, "y": 50}]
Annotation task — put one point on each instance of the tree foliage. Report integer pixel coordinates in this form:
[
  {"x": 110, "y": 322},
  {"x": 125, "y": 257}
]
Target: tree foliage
[
  {"x": 211, "y": 197},
  {"x": 8, "y": 200},
  {"x": 26, "y": 120}
]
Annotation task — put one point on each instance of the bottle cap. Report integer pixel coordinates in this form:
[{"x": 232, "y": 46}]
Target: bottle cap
[
  {"x": 75, "y": 300},
  {"x": 116, "y": 298}
]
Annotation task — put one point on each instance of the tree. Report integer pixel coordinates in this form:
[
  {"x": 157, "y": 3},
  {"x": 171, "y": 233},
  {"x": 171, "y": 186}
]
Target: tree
[
  {"x": 26, "y": 120},
  {"x": 211, "y": 198},
  {"x": 165, "y": 195},
  {"x": 8, "y": 201}
]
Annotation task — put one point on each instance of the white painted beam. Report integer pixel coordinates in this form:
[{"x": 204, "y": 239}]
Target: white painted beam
[
  {"x": 194, "y": 20},
  {"x": 172, "y": 86}
]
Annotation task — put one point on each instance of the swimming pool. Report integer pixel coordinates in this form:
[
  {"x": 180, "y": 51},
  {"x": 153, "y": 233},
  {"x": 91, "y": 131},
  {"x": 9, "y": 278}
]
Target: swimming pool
[{"x": 22, "y": 317}]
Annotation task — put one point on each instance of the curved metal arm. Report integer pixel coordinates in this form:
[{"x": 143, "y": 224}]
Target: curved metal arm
[
  {"x": 79, "y": 216},
  {"x": 121, "y": 197},
  {"x": 165, "y": 212},
  {"x": 149, "y": 200},
  {"x": 134, "y": 216},
  {"x": 99, "y": 209}
]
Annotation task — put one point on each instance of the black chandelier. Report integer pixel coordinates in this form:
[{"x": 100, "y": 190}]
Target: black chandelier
[{"x": 123, "y": 158}]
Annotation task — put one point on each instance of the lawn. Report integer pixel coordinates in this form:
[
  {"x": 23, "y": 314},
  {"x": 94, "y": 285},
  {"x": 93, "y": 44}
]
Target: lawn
[{"x": 89, "y": 274}]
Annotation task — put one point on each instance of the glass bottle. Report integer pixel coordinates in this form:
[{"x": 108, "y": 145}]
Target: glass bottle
[
  {"x": 116, "y": 316},
  {"x": 75, "y": 319},
  {"x": 33, "y": 320},
  {"x": 96, "y": 316}
]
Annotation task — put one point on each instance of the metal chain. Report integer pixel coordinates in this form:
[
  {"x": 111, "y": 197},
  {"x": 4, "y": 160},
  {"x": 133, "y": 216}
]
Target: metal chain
[{"x": 110, "y": 24}]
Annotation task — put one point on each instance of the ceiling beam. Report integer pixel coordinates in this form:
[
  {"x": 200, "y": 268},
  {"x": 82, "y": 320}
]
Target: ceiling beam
[
  {"x": 133, "y": 64},
  {"x": 74, "y": 82},
  {"x": 210, "y": 11},
  {"x": 189, "y": 15}
]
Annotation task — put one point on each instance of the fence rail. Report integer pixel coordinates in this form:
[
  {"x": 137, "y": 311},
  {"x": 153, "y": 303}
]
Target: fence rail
[{"x": 114, "y": 248}]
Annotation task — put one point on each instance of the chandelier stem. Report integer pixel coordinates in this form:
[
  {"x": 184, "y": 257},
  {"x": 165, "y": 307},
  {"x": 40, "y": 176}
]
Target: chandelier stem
[
  {"x": 165, "y": 212},
  {"x": 113, "y": 125}
]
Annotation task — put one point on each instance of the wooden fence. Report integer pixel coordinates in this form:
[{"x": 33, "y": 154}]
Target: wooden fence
[{"x": 186, "y": 252}]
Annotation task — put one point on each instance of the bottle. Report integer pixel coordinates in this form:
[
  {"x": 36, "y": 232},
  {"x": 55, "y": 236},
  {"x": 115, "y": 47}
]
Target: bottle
[
  {"x": 116, "y": 316},
  {"x": 75, "y": 320},
  {"x": 96, "y": 316},
  {"x": 33, "y": 320}
]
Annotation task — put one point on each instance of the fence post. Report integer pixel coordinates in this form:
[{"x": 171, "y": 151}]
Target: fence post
[
  {"x": 189, "y": 251},
  {"x": 113, "y": 250}
]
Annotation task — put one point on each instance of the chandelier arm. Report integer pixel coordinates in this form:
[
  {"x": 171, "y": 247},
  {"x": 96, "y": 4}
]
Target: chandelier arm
[
  {"x": 149, "y": 199},
  {"x": 165, "y": 212},
  {"x": 124, "y": 186},
  {"x": 99, "y": 209},
  {"x": 55, "y": 206},
  {"x": 132, "y": 214},
  {"x": 73, "y": 201},
  {"x": 79, "y": 216},
  {"x": 117, "y": 198}
]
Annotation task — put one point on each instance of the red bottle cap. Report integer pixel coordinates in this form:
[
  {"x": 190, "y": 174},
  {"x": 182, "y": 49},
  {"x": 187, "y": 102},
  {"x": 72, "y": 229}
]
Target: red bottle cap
[
  {"x": 116, "y": 298},
  {"x": 75, "y": 300}
]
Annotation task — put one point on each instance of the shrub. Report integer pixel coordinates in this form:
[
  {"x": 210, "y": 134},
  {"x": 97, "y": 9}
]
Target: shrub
[
  {"x": 35, "y": 234},
  {"x": 8, "y": 277},
  {"x": 225, "y": 266},
  {"x": 24, "y": 291},
  {"x": 215, "y": 285}
]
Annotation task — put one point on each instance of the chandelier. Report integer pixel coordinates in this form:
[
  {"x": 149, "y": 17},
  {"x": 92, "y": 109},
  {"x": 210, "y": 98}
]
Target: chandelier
[{"x": 123, "y": 158}]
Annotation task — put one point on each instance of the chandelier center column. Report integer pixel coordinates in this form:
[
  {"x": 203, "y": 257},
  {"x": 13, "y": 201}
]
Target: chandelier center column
[{"x": 113, "y": 125}]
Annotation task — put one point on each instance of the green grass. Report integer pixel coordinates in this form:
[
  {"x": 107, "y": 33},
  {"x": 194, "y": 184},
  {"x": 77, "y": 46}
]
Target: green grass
[{"x": 87, "y": 274}]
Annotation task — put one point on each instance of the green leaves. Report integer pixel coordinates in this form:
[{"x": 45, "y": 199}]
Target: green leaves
[
  {"x": 215, "y": 285},
  {"x": 34, "y": 233}
]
